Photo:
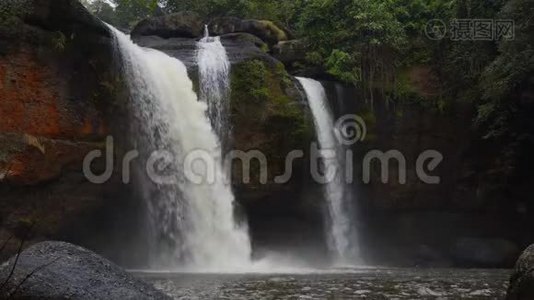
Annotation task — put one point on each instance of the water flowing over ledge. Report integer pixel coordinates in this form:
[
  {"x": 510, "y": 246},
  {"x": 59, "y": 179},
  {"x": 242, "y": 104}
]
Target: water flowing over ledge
[
  {"x": 192, "y": 225},
  {"x": 341, "y": 235},
  {"x": 214, "y": 75}
]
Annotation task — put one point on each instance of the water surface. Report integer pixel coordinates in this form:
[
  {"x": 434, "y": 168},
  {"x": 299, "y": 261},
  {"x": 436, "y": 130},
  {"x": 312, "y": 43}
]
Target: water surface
[{"x": 340, "y": 284}]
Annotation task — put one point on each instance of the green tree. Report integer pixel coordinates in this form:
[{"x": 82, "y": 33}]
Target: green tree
[
  {"x": 350, "y": 38},
  {"x": 506, "y": 106},
  {"x": 207, "y": 8},
  {"x": 283, "y": 12}
]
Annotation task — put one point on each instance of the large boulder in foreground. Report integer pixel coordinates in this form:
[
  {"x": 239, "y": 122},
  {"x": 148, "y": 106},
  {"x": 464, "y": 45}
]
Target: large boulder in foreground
[
  {"x": 522, "y": 281},
  {"x": 58, "y": 270}
]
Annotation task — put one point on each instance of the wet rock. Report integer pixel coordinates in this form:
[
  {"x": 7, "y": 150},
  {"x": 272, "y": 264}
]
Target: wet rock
[
  {"x": 265, "y": 30},
  {"x": 290, "y": 52},
  {"x": 244, "y": 38},
  {"x": 181, "y": 24},
  {"x": 58, "y": 270},
  {"x": 242, "y": 47},
  {"x": 61, "y": 96},
  {"x": 239, "y": 47},
  {"x": 184, "y": 49},
  {"x": 51, "y": 15},
  {"x": 425, "y": 291},
  {"x": 522, "y": 280},
  {"x": 270, "y": 115},
  {"x": 189, "y": 25}
]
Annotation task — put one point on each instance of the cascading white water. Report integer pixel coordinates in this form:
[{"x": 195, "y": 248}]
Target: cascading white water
[
  {"x": 193, "y": 225},
  {"x": 214, "y": 74},
  {"x": 340, "y": 228}
]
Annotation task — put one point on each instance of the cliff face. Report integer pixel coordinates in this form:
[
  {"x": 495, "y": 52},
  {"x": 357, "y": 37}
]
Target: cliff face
[
  {"x": 58, "y": 96},
  {"x": 61, "y": 97},
  {"x": 432, "y": 224}
]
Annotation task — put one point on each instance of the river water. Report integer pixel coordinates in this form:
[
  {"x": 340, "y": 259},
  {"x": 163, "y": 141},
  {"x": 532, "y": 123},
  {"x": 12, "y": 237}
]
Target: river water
[{"x": 373, "y": 283}]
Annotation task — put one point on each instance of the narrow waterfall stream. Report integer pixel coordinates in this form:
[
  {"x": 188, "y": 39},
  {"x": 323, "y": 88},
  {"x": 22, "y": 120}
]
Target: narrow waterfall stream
[
  {"x": 341, "y": 235},
  {"x": 214, "y": 74},
  {"x": 192, "y": 224}
]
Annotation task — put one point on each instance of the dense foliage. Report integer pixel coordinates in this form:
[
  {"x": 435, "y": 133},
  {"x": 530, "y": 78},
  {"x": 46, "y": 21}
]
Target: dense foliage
[{"x": 126, "y": 13}]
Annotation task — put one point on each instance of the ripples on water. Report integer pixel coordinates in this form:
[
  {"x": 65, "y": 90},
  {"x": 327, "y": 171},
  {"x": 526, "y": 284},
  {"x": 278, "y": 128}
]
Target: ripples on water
[{"x": 362, "y": 284}]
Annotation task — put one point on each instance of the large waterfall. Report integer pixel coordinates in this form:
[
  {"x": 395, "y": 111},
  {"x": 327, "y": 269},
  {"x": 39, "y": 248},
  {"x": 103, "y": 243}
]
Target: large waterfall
[
  {"x": 192, "y": 224},
  {"x": 341, "y": 234},
  {"x": 214, "y": 74}
]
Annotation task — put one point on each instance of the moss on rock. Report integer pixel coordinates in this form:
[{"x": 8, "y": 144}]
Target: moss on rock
[{"x": 266, "y": 115}]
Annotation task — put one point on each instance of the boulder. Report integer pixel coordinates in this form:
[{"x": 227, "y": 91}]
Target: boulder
[
  {"x": 239, "y": 47},
  {"x": 50, "y": 15},
  {"x": 184, "y": 49},
  {"x": 187, "y": 24},
  {"x": 290, "y": 52},
  {"x": 522, "y": 280},
  {"x": 58, "y": 270},
  {"x": 244, "y": 39},
  {"x": 182, "y": 24},
  {"x": 480, "y": 252},
  {"x": 265, "y": 30}
]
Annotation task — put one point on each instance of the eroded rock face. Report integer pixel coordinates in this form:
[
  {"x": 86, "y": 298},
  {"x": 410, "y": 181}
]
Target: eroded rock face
[
  {"x": 522, "y": 281},
  {"x": 64, "y": 271},
  {"x": 55, "y": 79},
  {"x": 270, "y": 115},
  {"x": 291, "y": 53},
  {"x": 465, "y": 218},
  {"x": 60, "y": 98}
]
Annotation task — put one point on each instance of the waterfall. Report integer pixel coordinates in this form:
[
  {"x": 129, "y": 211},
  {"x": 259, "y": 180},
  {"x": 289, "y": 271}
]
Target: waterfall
[
  {"x": 214, "y": 74},
  {"x": 192, "y": 224},
  {"x": 341, "y": 234}
]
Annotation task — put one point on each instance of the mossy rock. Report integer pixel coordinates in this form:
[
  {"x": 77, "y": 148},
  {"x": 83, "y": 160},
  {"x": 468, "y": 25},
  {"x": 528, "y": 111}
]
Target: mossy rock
[
  {"x": 266, "y": 30},
  {"x": 267, "y": 113},
  {"x": 181, "y": 24}
]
